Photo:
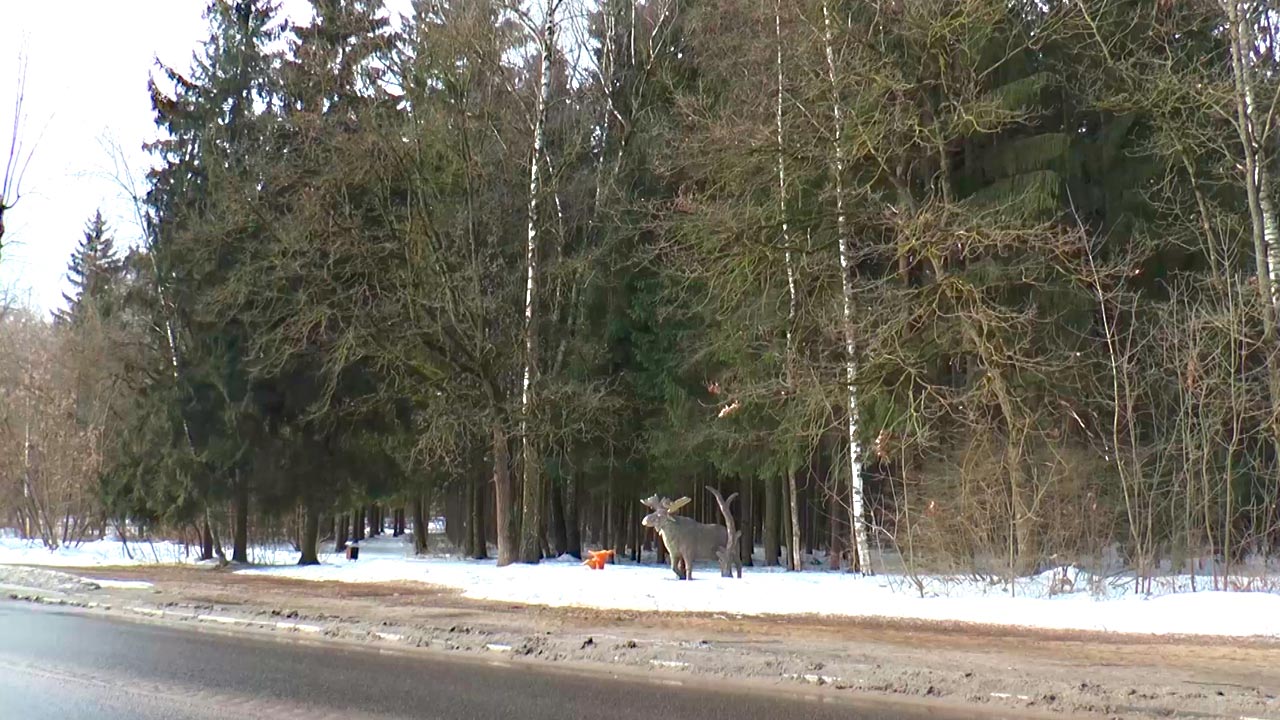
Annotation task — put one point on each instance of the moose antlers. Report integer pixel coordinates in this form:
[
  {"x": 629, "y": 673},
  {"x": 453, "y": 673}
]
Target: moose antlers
[{"x": 654, "y": 502}]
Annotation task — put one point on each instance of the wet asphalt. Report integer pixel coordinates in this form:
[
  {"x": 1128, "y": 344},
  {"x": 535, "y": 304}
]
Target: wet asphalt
[{"x": 66, "y": 664}]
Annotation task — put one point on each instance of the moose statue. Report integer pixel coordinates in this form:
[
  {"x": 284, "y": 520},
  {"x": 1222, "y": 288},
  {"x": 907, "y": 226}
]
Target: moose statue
[{"x": 688, "y": 540}]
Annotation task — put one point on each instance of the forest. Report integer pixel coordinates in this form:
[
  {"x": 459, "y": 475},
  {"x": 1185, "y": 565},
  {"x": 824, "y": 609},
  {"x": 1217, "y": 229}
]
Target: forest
[{"x": 969, "y": 286}]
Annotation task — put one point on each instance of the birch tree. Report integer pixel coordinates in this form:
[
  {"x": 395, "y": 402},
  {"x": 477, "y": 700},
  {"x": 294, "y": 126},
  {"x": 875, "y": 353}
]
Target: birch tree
[
  {"x": 793, "y": 542},
  {"x": 857, "y": 512},
  {"x": 532, "y": 524},
  {"x": 1254, "y": 124}
]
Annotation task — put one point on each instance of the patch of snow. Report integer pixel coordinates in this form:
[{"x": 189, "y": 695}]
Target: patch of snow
[
  {"x": 146, "y": 611},
  {"x": 109, "y": 553},
  {"x": 1046, "y": 601},
  {"x": 298, "y": 627},
  {"x": 121, "y": 584},
  {"x": 221, "y": 619},
  {"x": 770, "y": 591},
  {"x": 814, "y": 679}
]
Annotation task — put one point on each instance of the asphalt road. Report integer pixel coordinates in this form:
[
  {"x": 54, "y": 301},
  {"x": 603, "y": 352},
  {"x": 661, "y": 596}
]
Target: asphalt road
[{"x": 66, "y": 664}]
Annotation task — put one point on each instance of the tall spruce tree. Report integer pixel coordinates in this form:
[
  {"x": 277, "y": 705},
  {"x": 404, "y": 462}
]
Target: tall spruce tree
[
  {"x": 93, "y": 271},
  {"x": 212, "y": 123},
  {"x": 310, "y": 213}
]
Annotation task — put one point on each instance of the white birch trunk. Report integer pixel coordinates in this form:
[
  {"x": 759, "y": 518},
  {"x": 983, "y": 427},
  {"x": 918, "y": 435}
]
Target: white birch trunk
[
  {"x": 531, "y": 531},
  {"x": 857, "y": 524},
  {"x": 1262, "y": 212},
  {"x": 1258, "y": 132},
  {"x": 793, "y": 541},
  {"x": 1270, "y": 234}
]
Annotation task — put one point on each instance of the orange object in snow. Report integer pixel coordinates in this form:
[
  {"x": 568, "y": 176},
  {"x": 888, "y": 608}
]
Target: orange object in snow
[{"x": 597, "y": 559}]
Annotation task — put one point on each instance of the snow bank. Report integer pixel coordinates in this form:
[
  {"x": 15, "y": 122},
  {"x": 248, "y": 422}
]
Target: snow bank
[
  {"x": 105, "y": 553},
  {"x": 761, "y": 591},
  {"x": 1088, "y": 605}
]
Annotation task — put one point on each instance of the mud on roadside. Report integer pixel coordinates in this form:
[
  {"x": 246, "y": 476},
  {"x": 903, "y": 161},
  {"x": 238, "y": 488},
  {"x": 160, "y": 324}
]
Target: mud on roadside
[{"x": 1020, "y": 670}]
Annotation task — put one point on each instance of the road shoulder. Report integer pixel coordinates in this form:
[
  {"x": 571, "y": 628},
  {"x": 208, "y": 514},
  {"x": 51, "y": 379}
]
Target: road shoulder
[{"x": 935, "y": 664}]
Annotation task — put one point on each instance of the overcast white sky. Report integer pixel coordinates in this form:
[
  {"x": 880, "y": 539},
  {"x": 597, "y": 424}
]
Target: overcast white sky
[{"x": 88, "y": 64}]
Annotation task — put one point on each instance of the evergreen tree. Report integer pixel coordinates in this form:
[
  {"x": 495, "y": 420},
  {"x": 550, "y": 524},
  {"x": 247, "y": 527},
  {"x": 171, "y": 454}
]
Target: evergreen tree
[
  {"x": 93, "y": 271},
  {"x": 213, "y": 123},
  {"x": 309, "y": 214}
]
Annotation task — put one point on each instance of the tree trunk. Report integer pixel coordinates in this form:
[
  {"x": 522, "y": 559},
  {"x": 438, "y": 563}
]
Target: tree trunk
[
  {"x": 532, "y": 523},
  {"x": 747, "y": 500},
  {"x": 477, "y": 527},
  {"x": 457, "y": 512},
  {"x": 471, "y": 503},
  {"x": 217, "y": 539},
  {"x": 506, "y": 518},
  {"x": 1261, "y": 209},
  {"x": 206, "y": 541},
  {"x": 620, "y": 528},
  {"x": 784, "y": 520},
  {"x": 357, "y": 524},
  {"x": 1271, "y": 231},
  {"x": 809, "y": 519},
  {"x": 240, "y": 525},
  {"x": 637, "y": 536},
  {"x": 559, "y": 535},
  {"x": 793, "y": 540},
  {"x": 572, "y": 519},
  {"x": 1024, "y": 556},
  {"x": 607, "y": 522},
  {"x": 796, "y": 529},
  {"x": 1257, "y": 170},
  {"x": 532, "y": 520},
  {"x": 341, "y": 532},
  {"x": 857, "y": 522},
  {"x": 772, "y": 513},
  {"x": 421, "y": 528},
  {"x": 837, "y": 536},
  {"x": 310, "y": 539}
]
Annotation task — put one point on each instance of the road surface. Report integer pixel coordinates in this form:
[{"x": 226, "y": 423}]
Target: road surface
[{"x": 66, "y": 664}]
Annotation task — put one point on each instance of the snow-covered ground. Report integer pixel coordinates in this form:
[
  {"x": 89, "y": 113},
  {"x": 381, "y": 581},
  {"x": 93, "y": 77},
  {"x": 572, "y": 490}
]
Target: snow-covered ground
[
  {"x": 1088, "y": 604},
  {"x": 14, "y": 551}
]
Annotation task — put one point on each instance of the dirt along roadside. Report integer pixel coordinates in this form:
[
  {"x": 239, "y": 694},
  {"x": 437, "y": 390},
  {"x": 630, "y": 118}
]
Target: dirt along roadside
[{"x": 1024, "y": 671}]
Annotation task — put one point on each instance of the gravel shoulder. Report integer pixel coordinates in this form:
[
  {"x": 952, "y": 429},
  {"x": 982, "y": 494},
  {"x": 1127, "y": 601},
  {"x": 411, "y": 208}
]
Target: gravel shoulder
[{"x": 997, "y": 669}]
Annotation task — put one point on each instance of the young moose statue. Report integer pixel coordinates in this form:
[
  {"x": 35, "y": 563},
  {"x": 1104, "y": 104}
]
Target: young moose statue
[{"x": 688, "y": 540}]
